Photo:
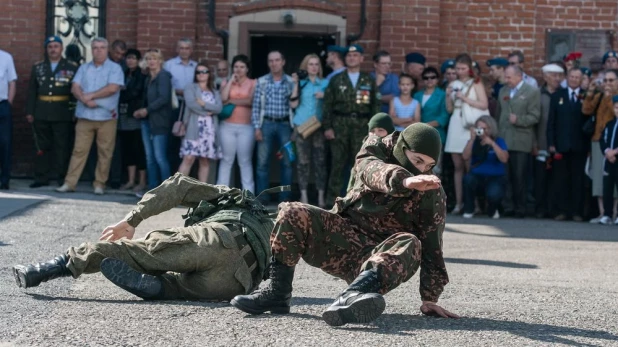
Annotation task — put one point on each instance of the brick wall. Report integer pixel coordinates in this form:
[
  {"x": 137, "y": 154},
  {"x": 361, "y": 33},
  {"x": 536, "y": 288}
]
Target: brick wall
[{"x": 438, "y": 28}]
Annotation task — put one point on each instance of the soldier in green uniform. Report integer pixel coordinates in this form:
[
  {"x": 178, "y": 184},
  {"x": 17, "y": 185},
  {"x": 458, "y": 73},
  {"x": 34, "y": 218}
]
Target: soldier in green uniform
[
  {"x": 222, "y": 251},
  {"x": 48, "y": 110},
  {"x": 375, "y": 238},
  {"x": 350, "y": 99}
]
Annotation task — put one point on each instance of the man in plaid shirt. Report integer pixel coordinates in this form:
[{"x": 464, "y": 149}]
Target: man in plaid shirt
[{"x": 272, "y": 119}]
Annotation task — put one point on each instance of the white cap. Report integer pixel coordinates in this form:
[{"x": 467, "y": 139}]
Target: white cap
[{"x": 552, "y": 68}]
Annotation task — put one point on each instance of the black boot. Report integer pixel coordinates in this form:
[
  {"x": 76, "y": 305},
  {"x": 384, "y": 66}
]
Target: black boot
[
  {"x": 359, "y": 303},
  {"x": 33, "y": 275},
  {"x": 275, "y": 297},
  {"x": 121, "y": 274}
]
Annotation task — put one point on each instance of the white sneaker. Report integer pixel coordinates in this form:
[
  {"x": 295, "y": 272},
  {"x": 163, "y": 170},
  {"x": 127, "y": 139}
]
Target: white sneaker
[
  {"x": 468, "y": 215},
  {"x": 496, "y": 215},
  {"x": 457, "y": 209},
  {"x": 616, "y": 221},
  {"x": 99, "y": 191},
  {"x": 596, "y": 220},
  {"x": 605, "y": 220},
  {"x": 64, "y": 189}
]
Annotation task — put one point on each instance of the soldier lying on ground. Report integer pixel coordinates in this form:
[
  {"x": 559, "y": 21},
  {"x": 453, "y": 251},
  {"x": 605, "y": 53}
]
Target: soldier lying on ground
[
  {"x": 375, "y": 238},
  {"x": 222, "y": 251}
]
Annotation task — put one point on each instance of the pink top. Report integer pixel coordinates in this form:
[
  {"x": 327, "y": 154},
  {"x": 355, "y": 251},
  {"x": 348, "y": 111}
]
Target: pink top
[{"x": 241, "y": 114}]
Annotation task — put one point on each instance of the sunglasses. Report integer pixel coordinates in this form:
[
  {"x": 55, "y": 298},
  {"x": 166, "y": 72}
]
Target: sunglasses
[
  {"x": 427, "y": 78},
  {"x": 608, "y": 80},
  {"x": 201, "y": 72}
]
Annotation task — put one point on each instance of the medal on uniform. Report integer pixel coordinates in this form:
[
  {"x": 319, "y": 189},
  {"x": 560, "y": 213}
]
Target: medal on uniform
[{"x": 359, "y": 97}]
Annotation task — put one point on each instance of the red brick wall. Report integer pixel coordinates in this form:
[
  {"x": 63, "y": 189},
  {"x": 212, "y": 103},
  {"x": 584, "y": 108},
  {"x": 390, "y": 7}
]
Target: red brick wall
[{"x": 438, "y": 28}]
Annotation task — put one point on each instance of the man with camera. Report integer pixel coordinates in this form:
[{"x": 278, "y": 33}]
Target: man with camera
[{"x": 350, "y": 99}]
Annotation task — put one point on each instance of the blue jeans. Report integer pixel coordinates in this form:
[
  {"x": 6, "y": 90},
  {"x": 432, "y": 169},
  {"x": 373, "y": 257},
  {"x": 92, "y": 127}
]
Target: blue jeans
[
  {"x": 274, "y": 135},
  {"x": 494, "y": 187},
  {"x": 6, "y": 136},
  {"x": 157, "y": 165}
]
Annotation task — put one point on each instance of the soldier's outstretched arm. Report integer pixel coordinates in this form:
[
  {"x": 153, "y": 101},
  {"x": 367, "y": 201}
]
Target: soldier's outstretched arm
[{"x": 176, "y": 190}]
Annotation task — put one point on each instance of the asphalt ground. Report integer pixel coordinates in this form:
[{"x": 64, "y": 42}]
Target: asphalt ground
[{"x": 514, "y": 282}]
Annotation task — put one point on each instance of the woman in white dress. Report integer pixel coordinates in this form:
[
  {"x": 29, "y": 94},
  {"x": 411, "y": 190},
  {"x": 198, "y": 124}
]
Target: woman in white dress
[{"x": 466, "y": 101}]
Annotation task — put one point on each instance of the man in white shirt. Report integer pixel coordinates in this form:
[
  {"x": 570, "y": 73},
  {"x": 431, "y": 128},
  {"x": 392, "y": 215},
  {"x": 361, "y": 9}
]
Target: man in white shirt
[
  {"x": 182, "y": 69},
  {"x": 8, "y": 76},
  {"x": 516, "y": 58}
]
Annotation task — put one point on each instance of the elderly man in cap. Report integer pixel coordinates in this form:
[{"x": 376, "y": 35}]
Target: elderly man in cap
[
  {"x": 447, "y": 69},
  {"x": 335, "y": 60},
  {"x": 48, "y": 110},
  {"x": 496, "y": 71},
  {"x": 350, "y": 99},
  {"x": 388, "y": 226},
  {"x": 553, "y": 74},
  {"x": 415, "y": 64}
]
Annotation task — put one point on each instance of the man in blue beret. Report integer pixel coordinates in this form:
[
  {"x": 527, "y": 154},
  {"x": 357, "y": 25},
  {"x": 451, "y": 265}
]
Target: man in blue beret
[
  {"x": 610, "y": 60},
  {"x": 496, "y": 71},
  {"x": 415, "y": 64},
  {"x": 335, "y": 59},
  {"x": 48, "y": 110},
  {"x": 586, "y": 75},
  {"x": 447, "y": 69}
]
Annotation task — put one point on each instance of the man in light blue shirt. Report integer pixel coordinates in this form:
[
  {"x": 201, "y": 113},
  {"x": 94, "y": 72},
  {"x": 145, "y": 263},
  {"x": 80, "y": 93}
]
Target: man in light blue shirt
[
  {"x": 8, "y": 77},
  {"x": 387, "y": 82},
  {"x": 96, "y": 86}
]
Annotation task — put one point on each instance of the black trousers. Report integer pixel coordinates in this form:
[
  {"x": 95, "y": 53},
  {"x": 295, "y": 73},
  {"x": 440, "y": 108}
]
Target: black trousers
[
  {"x": 569, "y": 183},
  {"x": 116, "y": 168},
  {"x": 133, "y": 153},
  {"x": 55, "y": 143},
  {"x": 516, "y": 171},
  {"x": 6, "y": 139},
  {"x": 174, "y": 142},
  {"x": 610, "y": 182},
  {"x": 542, "y": 189}
]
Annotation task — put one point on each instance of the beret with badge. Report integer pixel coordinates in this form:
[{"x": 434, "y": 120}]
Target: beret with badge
[{"x": 415, "y": 57}]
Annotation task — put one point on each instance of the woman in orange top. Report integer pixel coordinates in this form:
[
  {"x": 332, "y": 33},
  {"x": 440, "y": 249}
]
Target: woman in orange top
[
  {"x": 601, "y": 106},
  {"x": 236, "y": 133}
]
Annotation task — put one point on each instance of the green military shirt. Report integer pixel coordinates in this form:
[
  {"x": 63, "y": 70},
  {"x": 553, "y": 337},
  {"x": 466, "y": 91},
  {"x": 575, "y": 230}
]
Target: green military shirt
[
  {"x": 340, "y": 97},
  {"x": 379, "y": 202},
  {"x": 49, "y": 92}
]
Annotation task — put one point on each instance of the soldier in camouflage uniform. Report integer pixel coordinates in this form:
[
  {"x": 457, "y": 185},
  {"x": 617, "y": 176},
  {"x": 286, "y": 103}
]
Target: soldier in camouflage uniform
[
  {"x": 375, "y": 238},
  {"x": 49, "y": 111},
  {"x": 350, "y": 99},
  {"x": 222, "y": 251}
]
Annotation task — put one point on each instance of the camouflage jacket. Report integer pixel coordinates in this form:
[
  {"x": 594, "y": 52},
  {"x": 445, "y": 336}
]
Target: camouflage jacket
[
  {"x": 379, "y": 202},
  {"x": 341, "y": 97},
  {"x": 204, "y": 199}
]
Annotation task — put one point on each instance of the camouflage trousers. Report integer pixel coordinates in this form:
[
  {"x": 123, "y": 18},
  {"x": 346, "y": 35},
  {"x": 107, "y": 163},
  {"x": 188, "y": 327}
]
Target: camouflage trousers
[
  {"x": 311, "y": 151},
  {"x": 201, "y": 262},
  {"x": 337, "y": 246},
  {"x": 349, "y": 135}
]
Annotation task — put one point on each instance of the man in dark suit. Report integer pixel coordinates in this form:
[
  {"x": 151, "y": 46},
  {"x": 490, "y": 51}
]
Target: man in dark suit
[
  {"x": 567, "y": 144},
  {"x": 519, "y": 110}
]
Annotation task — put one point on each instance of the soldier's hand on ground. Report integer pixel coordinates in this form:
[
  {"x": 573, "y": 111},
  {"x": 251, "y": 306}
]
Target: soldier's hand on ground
[
  {"x": 29, "y": 118},
  {"x": 422, "y": 182},
  {"x": 329, "y": 134},
  {"x": 258, "y": 135},
  {"x": 431, "y": 309},
  {"x": 121, "y": 230}
]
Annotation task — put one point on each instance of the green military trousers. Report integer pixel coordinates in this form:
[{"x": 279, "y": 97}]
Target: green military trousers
[
  {"x": 54, "y": 141},
  {"x": 200, "y": 262},
  {"x": 349, "y": 135}
]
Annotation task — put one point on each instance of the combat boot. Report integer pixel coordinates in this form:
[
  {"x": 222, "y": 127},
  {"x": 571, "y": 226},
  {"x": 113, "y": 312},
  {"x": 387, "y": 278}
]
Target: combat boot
[
  {"x": 275, "y": 297},
  {"x": 359, "y": 303},
  {"x": 32, "y": 275},
  {"x": 121, "y": 274}
]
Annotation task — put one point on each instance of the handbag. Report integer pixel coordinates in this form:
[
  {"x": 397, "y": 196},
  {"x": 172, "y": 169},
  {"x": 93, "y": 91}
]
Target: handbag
[
  {"x": 226, "y": 111},
  {"x": 175, "y": 102},
  {"x": 308, "y": 127},
  {"x": 179, "y": 129}
]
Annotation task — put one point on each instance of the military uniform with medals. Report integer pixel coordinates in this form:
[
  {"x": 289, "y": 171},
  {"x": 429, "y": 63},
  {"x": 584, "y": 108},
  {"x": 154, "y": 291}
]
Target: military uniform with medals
[
  {"x": 347, "y": 110},
  {"x": 49, "y": 102}
]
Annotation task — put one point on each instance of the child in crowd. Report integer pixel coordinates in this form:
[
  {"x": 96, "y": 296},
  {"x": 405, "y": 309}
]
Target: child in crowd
[{"x": 404, "y": 110}]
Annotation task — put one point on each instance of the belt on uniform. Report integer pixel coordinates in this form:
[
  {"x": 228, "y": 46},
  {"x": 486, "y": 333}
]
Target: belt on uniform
[
  {"x": 54, "y": 98},
  {"x": 277, "y": 120},
  {"x": 249, "y": 256},
  {"x": 353, "y": 115}
]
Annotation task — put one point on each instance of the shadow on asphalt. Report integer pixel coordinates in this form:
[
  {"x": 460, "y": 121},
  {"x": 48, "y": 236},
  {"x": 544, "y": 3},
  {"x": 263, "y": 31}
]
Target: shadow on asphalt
[
  {"x": 132, "y": 302},
  {"x": 490, "y": 263},
  {"x": 392, "y": 324},
  {"x": 303, "y": 300},
  {"x": 534, "y": 229},
  {"x": 4, "y": 244}
]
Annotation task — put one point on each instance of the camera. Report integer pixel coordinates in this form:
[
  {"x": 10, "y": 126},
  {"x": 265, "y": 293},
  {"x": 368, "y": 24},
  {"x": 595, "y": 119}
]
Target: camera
[
  {"x": 302, "y": 74},
  {"x": 480, "y": 131}
]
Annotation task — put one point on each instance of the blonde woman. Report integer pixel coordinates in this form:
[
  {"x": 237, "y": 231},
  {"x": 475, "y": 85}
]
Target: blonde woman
[
  {"x": 467, "y": 101},
  {"x": 156, "y": 116},
  {"x": 202, "y": 103},
  {"x": 307, "y": 98}
]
